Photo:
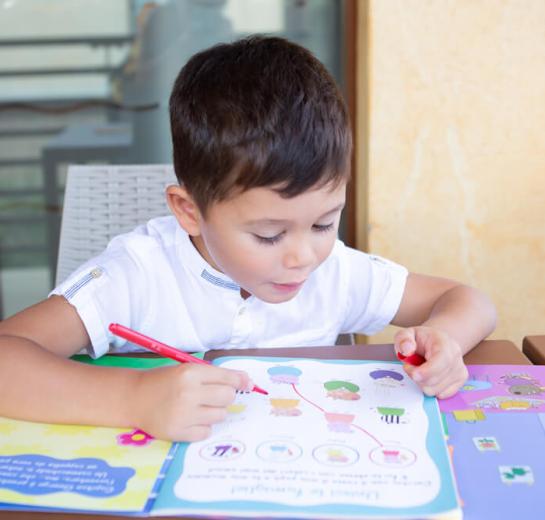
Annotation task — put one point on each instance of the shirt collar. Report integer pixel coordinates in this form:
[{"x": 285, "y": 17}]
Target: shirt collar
[{"x": 199, "y": 266}]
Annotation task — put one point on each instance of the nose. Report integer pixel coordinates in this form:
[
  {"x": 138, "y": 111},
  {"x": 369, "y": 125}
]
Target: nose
[{"x": 300, "y": 254}]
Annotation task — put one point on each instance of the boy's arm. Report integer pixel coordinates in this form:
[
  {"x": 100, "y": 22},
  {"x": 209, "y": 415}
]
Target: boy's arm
[
  {"x": 38, "y": 383},
  {"x": 464, "y": 313},
  {"x": 442, "y": 321}
]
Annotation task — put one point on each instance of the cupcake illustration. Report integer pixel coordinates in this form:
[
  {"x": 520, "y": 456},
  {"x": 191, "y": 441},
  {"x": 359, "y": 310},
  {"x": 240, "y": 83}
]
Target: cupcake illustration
[{"x": 284, "y": 375}]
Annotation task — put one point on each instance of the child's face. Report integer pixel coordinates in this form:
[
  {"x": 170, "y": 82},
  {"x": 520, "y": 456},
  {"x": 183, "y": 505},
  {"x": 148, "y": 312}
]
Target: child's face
[{"x": 268, "y": 244}]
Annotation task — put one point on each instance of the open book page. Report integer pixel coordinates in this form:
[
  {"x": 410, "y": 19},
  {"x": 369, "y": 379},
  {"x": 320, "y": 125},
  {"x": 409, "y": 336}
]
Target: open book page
[
  {"x": 81, "y": 468},
  {"x": 497, "y": 422},
  {"x": 499, "y": 463},
  {"x": 332, "y": 439},
  {"x": 499, "y": 389}
]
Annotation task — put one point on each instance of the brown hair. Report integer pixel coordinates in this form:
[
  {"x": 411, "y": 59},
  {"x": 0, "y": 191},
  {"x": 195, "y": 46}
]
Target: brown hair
[{"x": 261, "y": 111}]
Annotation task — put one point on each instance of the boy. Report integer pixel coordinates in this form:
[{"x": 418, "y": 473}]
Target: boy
[{"x": 248, "y": 258}]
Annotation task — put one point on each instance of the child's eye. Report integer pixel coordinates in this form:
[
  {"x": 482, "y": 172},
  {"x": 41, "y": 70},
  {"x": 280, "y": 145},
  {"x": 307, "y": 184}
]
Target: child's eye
[
  {"x": 269, "y": 240},
  {"x": 322, "y": 228}
]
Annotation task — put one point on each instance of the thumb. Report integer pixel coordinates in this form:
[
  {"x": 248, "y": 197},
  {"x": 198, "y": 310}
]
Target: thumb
[
  {"x": 245, "y": 383},
  {"x": 405, "y": 341}
]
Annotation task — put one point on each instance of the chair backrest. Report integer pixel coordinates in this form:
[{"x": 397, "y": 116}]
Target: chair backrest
[{"x": 101, "y": 201}]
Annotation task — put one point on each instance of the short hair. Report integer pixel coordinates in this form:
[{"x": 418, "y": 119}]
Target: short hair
[{"x": 258, "y": 112}]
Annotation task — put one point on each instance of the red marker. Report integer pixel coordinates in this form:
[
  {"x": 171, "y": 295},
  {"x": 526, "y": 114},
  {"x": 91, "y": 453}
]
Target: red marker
[
  {"x": 162, "y": 348},
  {"x": 413, "y": 359}
]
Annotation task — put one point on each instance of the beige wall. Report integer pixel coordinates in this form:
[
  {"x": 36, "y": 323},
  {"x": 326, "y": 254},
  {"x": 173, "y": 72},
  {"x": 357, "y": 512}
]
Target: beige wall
[{"x": 453, "y": 115}]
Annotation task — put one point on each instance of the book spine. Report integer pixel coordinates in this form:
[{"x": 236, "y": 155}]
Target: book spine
[{"x": 160, "y": 478}]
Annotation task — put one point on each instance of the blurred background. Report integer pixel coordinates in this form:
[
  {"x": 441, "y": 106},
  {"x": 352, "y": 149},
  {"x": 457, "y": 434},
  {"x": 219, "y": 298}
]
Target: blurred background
[
  {"x": 446, "y": 98},
  {"x": 88, "y": 81}
]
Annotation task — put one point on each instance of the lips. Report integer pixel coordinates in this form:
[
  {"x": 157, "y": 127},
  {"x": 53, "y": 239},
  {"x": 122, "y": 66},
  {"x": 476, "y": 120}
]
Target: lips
[{"x": 288, "y": 287}]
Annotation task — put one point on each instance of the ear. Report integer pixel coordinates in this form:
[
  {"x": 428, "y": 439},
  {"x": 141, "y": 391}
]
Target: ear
[{"x": 184, "y": 208}]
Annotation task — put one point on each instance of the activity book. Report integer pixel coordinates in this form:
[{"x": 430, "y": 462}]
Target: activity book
[
  {"x": 496, "y": 431},
  {"x": 333, "y": 439}
]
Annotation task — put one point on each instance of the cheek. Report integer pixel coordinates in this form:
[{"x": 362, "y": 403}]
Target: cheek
[
  {"x": 256, "y": 258},
  {"x": 220, "y": 250},
  {"x": 325, "y": 247},
  {"x": 241, "y": 258}
]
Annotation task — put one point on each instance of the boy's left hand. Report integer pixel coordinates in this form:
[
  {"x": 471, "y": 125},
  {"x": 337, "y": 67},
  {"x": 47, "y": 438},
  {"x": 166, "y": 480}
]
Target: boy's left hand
[{"x": 444, "y": 371}]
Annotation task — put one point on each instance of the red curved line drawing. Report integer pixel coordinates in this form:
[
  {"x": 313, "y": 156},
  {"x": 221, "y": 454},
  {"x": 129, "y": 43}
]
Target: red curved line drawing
[
  {"x": 323, "y": 411},
  {"x": 305, "y": 399},
  {"x": 366, "y": 432}
]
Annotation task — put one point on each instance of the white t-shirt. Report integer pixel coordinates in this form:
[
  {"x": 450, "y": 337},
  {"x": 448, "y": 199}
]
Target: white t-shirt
[{"x": 154, "y": 280}]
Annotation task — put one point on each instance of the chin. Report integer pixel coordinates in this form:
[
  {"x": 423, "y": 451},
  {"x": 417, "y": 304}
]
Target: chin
[{"x": 276, "y": 298}]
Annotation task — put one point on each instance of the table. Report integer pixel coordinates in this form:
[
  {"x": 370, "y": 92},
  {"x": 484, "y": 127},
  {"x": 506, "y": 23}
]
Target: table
[
  {"x": 533, "y": 347},
  {"x": 501, "y": 352},
  {"x": 491, "y": 351}
]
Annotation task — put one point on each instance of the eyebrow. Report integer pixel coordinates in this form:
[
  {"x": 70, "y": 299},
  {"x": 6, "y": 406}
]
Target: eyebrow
[{"x": 281, "y": 221}]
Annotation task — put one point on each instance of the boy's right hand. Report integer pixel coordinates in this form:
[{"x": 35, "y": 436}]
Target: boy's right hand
[{"x": 181, "y": 402}]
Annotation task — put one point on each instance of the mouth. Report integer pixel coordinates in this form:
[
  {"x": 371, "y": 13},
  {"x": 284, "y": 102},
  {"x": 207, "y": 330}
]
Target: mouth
[{"x": 288, "y": 287}]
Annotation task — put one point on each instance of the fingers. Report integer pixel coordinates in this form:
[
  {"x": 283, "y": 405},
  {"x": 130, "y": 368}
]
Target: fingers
[
  {"x": 443, "y": 383},
  {"x": 405, "y": 341},
  {"x": 182, "y": 402},
  {"x": 435, "y": 369},
  {"x": 246, "y": 384},
  {"x": 444, "y": 372},
  {"x": 198, "y": 427},
  {"x": 217, "y": 395},
  {"x": 192, "y": 434},
  {"x": 208, "y": 415},
  {"x": 236, "y": 379},
  {"x": 445, "y": 388},
  {"x": 449, "y": 391},
  {"x": 204, "y": 419}
]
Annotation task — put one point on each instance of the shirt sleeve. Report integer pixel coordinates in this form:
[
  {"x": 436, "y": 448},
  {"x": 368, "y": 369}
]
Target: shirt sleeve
[
  {"x": 103, "y": 291},
  {"x": 375, "y": 289}
]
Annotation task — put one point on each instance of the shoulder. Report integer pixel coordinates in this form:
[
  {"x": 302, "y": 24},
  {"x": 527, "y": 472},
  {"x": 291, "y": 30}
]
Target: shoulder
[
  {"x": 356, "y": 277},
  {"x": 344, "y": 259},
  {"x": 127, "y": 282},
  {"x": 131, "y": 259},
  {"x": 374, "y": 289},
  {"x": 145, "y": 247},
  {"x": 157, "y": 234}
]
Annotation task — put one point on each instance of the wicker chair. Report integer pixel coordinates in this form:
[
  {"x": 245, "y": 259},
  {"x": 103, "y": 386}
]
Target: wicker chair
[{"x": 101, "y": 201}]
